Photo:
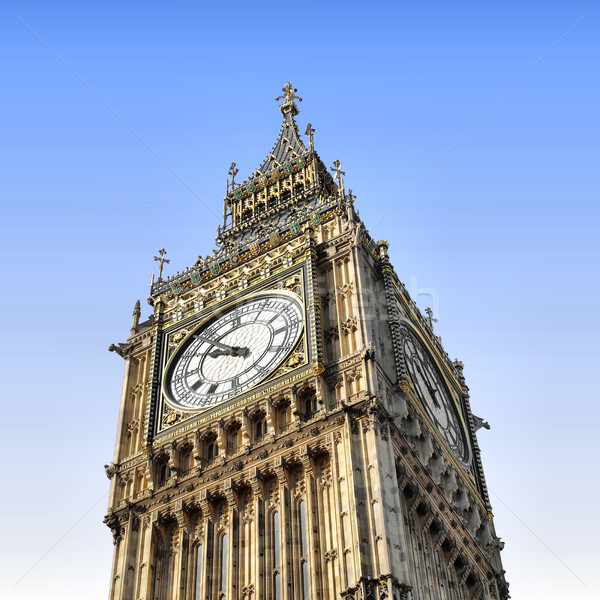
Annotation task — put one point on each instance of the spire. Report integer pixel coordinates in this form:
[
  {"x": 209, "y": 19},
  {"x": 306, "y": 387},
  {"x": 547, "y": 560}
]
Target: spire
[
  {"x": 288, "y": 146},
  {"x": 289, "y": 169}
]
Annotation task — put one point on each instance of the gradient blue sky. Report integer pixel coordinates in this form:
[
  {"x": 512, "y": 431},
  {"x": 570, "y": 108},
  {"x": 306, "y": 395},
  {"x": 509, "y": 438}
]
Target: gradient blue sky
[{"x": 119, "y": 121}]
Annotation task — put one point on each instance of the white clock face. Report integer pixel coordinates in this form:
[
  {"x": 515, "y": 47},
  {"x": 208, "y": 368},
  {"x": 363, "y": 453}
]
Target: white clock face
[
  {"x": 234, "y": 351},
  {"x": 435, "y": 396}
]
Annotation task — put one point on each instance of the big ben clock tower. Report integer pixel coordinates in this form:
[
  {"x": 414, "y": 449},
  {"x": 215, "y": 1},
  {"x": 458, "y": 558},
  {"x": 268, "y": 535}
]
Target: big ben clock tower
[{"x": 290, "y": 427}]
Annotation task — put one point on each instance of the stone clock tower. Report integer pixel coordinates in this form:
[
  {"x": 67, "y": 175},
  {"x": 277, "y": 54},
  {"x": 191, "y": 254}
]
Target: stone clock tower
[{"x": 290, "y": 427}]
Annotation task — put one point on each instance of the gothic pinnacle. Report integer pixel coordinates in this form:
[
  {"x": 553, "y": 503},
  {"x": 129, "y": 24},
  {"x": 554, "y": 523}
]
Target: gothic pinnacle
[{"x": 137, "y": 311}]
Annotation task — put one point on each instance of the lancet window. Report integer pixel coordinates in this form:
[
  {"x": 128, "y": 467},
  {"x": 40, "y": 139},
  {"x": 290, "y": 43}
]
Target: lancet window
[
  {"x": 283, "y": 416},
  {"x": 234, "y": 438},
  {"x": 210, "y": 447},
  {"x": 198, "y": 572},
  {"x": 223, "y": 566},
  {"x": 276, "y": 555},
  {"x": 307, "y": 401},
  {"x": 185, "y": 460},
  {"x": 304, "y": 581},
  {"x": 163, "y": 470},
  {"x": 260, "y": 426}
]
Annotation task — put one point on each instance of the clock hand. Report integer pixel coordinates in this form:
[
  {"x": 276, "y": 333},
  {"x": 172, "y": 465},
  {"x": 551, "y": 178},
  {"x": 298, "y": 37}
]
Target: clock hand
[
  {"x": 220, "y": 352},
  {"x": 229, "y": 350}
]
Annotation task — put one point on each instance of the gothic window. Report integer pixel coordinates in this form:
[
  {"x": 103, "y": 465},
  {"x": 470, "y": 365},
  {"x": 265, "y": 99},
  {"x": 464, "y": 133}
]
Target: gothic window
[
  {"x": 234, "y": 438},
  {"x": 185, "y": 461},
  {"x": 223, "y": 557},
  {"x": 283, "y": 416},
  {"x": 303, "y": 550},
  {"x": 260, "y": 426},
  {"x": 164, "y": 544},
  {"x": 163, "y": 471},
  {"x": 307, "y": 402},
  {"x": 210, "y": 447},
  {"x": 198, "y": 573},
  {"x": 276, "y": 555}
]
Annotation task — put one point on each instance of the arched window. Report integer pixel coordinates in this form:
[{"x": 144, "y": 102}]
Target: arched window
[
  {"x": 213, "y": 450},
  {"x": 283, "y": 418},
  {"x": 198, "y": 573},
  {"x": 261, "y": 427},
  {"x": 163, "y": 471},
  {"x": 275, "y": 540},
  {"x": 223, "y": 553},
  {"x": 303, "y": 550},
  {"x": 307, "y": 402},
  {"x": 185, "y": 461},
  {"x": 234, "y": 436},
  {"x": 210, "y": 447}
]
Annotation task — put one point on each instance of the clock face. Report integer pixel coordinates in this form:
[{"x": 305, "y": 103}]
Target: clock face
[
  {"x": 435, "y": 397},
  {"x": 233, "y": 351}
]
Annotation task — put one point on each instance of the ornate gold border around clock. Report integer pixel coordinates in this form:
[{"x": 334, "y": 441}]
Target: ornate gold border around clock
[
  {"x": 440, "y": 358},
  {"x": 453, "y": 395},
  {"x": 261, "y": 390},
  {"x": 248, "y": 395},
  {"x": 417, "y": 324}
]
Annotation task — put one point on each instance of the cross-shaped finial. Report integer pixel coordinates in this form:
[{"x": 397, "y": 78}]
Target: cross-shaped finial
[
  {"x": 430, "y": 318},
  {"x": 288, "y": 107},
  {"x": 289, "y": 94},
  {"x": 337, "y": 169},
  {"x": 233, "y": 172},
  {"x": 309, "y": 132},
  {"x": 161, "y": 261}
]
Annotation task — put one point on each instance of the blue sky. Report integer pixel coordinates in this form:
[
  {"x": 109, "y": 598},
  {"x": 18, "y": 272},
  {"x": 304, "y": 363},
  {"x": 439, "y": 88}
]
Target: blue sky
[{"x": 119, "y": 122}]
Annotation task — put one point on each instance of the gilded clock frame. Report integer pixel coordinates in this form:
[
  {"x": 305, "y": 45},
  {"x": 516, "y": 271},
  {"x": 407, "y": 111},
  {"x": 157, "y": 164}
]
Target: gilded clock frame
[
  {"x": 454, "y": 396},
  {"x": 168, "y": 351}
]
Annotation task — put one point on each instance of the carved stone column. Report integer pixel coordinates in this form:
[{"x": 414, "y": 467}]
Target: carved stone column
[
  {"x": 178, "y": 547},
  {"x": 146, "y": 571}
]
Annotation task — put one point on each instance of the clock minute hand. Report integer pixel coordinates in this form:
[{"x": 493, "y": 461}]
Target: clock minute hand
[{"x": 230, "y": 350}]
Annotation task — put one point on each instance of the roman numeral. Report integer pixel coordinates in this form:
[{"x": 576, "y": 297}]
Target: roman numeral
[{"x": 196, "y": 384}]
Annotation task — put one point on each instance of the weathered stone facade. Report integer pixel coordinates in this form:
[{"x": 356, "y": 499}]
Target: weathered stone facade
[{"x": 329, "y": 478}]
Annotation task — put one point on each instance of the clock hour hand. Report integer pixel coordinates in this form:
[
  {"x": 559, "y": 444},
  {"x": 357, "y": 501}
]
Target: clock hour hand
[
  {"x": 225, "y": 350},
  {"x": 220, "y": 352}
]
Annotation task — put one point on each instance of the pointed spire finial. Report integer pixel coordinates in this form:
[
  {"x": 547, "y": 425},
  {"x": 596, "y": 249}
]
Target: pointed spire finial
[
  {"x": 430, "y": 318},
  {"x": 309, "y": 132},
  {"x": 233, "y": 172},
  {"x": 288, "y": 107},
  {"x": 161, "y": 262},
  {"x": 337, "y": 169}
]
